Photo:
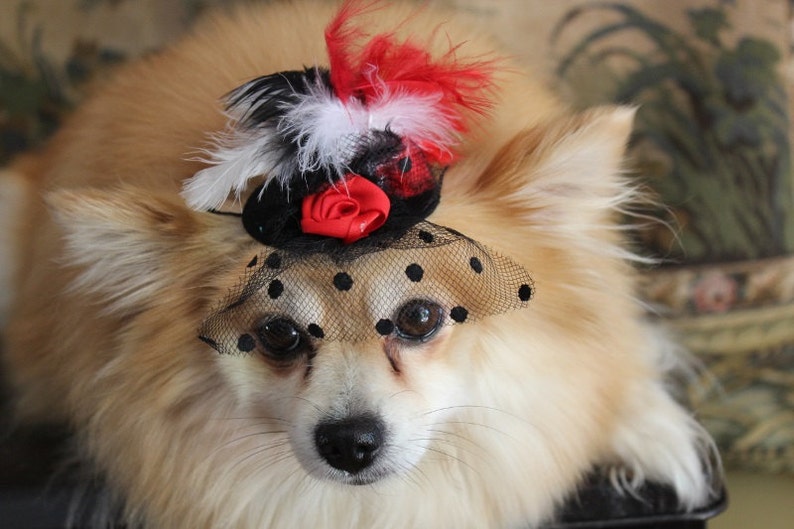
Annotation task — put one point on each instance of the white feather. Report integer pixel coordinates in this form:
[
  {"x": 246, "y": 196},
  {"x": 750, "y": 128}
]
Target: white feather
[
  {"x": 328, "y": 132},
  {"x": 325, "y": 129},
  {"x": 241, "y": 158},
  {"x": 417, "y": 117}
]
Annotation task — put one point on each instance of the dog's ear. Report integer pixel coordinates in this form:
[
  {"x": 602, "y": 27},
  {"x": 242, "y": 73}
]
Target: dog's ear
[
  {"x": 129, "y": 245},
  {"x": 564, "y": 175}
]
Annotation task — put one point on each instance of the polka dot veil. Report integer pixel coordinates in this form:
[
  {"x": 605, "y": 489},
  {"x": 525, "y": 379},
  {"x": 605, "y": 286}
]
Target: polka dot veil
[{"x": 355, "y": 295}]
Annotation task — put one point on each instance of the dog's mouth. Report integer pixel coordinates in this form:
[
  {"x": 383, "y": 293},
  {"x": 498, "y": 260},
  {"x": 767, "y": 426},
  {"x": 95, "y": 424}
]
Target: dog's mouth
[{"x": 362, "y": 478}]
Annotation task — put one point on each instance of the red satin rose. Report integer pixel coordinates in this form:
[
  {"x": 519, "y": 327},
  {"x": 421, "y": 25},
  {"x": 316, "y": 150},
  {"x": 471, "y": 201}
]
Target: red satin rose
[{"x": 350, "y": 210}]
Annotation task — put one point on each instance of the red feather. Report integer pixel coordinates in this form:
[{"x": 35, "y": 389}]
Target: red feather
[
  {"x": 340, "y": 40},
  {"x": 384, "y": 66}
]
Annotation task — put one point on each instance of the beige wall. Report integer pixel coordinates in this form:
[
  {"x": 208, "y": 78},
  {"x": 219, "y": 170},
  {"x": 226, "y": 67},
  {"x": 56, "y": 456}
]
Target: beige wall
[{"x": 758, "y": 501}]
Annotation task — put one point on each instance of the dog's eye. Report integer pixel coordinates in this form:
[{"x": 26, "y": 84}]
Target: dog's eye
[
  {"x": 281, "y": 338},
  {"x": 419, "y": 319}
]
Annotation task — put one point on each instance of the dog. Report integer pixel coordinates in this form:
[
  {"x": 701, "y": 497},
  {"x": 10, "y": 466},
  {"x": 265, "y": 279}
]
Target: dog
[{"x": 125, "y": 294}]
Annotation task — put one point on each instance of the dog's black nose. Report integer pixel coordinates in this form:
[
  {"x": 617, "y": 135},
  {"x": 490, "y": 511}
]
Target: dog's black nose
[{"x": 350, "y": 444}]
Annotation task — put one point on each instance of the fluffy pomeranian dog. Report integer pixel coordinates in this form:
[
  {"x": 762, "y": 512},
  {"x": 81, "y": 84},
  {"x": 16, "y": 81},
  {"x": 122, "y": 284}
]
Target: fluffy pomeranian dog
[{"x": 221, "y": 373}]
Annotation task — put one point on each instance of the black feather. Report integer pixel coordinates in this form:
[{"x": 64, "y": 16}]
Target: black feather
[{"x": 269, "y": 97}]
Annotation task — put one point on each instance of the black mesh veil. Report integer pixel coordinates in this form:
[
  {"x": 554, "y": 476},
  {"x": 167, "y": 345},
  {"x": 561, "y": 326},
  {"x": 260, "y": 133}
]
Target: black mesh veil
[{"x": 352, "y": 295}]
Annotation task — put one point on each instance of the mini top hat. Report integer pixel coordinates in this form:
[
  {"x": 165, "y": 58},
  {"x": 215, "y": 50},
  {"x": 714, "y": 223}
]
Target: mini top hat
[{"x": 351, "y": 160}]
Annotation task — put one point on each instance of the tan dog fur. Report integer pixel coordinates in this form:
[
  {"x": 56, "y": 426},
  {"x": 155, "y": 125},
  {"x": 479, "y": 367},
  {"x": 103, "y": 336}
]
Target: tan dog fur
[{"x": 113, "y": 275}]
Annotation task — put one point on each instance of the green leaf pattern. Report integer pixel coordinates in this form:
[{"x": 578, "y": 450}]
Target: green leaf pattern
[{"x": 713, "y": 134}]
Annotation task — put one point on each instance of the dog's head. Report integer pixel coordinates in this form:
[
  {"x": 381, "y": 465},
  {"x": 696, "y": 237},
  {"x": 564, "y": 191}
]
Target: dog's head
[{"x": 562, "y": 374}]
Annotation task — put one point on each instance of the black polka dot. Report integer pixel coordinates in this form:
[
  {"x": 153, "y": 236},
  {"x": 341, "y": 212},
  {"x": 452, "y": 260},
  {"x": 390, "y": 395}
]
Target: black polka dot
[
  {"x": 475, "y": 265},
  {"x": 252, "y": 262},
  {"x": 343, "y": 281},
  {"x": 459, "y": 314},
  {"x": 315, "y": 330},
  {"x": 273, "y": 261},
  {"x": 426, "y": 236},
  {"x": 246, "y": 343},
  {"x": 414, "y": 272},
  {"x": 384, "y": 327},
  {"x": 524, "y": 292},
  {"x": 275, "y": 289},
  {"x": 404, "y": 164}
]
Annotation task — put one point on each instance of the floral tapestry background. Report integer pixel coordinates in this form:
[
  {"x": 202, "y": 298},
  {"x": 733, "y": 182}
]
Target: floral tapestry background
[
  {"x": 712, "y": 132},
  {"x": 713, "y": 140}
]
